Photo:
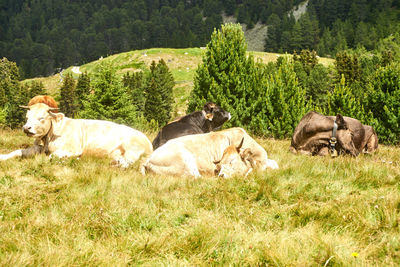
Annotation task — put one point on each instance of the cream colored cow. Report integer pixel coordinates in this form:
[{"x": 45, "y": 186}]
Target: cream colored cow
[
  {"x": 65, "y": 137},
  {"x": 196, "y": 155}
]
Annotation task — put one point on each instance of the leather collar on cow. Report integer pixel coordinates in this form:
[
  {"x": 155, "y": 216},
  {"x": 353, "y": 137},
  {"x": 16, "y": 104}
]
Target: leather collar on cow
[
  {"x": 333, "y": 140},
  {"x": 50, "y": 136}
]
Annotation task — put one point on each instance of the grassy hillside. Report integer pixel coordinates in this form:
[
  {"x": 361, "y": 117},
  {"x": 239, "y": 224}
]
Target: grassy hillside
[
  {"x": 181, "y": 62},
  {"x": 313, "y": 211}
]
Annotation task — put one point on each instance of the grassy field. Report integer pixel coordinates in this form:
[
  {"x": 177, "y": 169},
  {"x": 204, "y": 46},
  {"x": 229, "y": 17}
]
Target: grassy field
[{"x": 313, "y": 211}]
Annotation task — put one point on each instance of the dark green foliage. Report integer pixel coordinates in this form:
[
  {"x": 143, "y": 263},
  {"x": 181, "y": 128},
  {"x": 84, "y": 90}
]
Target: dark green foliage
[
  {"x": 158, "y": 93},
  {"x": 307, "y": 58},
  {"x": 109, "y": 100},
  {"x": 263, "y": 99},
  {"x": 36, "y": 88},
  {"x": 12, "y": 94},
  {"x": 225, "y": 76},
  {"x": 82, "y": 90},
  {"x": 348, "y": 66},
  {"x": 280, "y": 103},
  {"x": 384, "y": 102},
  {"x": 43, "y": 35},
  {"x": 343, "y": 101},
  {"x": 67, "y": 96},
  {"x": 314, "y": 77},
  {"x": 135, "y": 84}
]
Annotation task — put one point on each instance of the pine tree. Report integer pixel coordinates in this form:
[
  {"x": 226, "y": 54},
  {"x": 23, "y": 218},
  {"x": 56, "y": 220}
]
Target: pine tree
[
  {"x": 109, "y": 100},
  {"x": 36, "y": 88},
  {"x": 11, "y": 94},
  {"x": 343, "y": 101},
  {"x": 384, "y": 102},
  {"x": 281, "y": 103},
  {"x": 348, "y": 66},
  {"x": 82, "y": 90},
  {"x": 67, "y": 96},
  {"x": 226, "y": 76},
  {"x": 158, "y": 93},
  {"x": 135, "y": 83}
]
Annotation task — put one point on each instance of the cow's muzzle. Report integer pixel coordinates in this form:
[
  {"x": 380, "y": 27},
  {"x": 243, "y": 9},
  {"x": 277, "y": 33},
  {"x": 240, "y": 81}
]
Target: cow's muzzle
[{"x": 27, "y": 130}]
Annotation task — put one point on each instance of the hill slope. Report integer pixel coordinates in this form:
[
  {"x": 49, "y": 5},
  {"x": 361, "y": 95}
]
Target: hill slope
[{"x": 181, "y": 62}]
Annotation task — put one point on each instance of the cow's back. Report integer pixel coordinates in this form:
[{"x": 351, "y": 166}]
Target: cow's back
[
  {"x": 102, "y": 137},
  {"x": 186, "y": 125}
]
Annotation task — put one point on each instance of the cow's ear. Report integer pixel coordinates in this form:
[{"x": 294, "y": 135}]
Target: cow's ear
[
  {"x": 26, "y": 107},
  {"x": 341, "y": 122},
  {"x": 57, "y": 116},
  {"x": 209, "y": 107},
  {"x": 247, "y": 155}
]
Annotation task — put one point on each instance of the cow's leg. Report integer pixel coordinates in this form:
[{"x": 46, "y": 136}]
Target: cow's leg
[
  {"x": 323, "y": 151},
  {"x": 25, "y": 153},
  {"x": 191, "y": 165},
  {"x": 16, "y": 153},
  {"x": 372, "y": 144},
  {"x": 124, "y": 155},
  {"x": 304, "y": 152}
]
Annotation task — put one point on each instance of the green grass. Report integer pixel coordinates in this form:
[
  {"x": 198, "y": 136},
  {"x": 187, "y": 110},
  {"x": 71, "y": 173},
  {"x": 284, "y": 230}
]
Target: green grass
[{"x": 311, "y": 212}]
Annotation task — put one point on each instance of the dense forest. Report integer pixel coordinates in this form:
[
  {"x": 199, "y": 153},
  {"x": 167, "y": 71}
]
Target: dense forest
[{"x": 43, "y": 36}]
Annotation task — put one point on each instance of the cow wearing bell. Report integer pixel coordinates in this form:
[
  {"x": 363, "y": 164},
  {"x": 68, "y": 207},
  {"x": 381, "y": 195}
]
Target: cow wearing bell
[
  {"x": 65, "y": 137},
  {"x": 209, "y": 119},
  {"x": 317, "y": 134},
  {"x": 198, "y": 154}
]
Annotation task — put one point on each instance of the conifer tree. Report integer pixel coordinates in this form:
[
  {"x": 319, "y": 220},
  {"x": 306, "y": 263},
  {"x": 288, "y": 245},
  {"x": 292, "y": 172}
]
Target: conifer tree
[
  {"x": 67, "y": 96},
  {"x": 280, "y": 103},
  {"x": 11, "y": 94},
  {"x": 348, "y": 66},
  {"x": 109, "y": 100},
  {"x": 36, "y": 88},
  {"x": 82, "y": 90},
  {"x": 135, "y": 83},
  {"x": 158, "y": 93},
  {"x": 343, "y": 101},
  {"x": 226, "y": 76},
  {"x": 384, "y": 102}
]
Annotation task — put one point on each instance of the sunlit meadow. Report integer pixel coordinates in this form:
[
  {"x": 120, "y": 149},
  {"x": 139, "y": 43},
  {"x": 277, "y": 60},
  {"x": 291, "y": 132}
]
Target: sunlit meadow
[{"x": 313, "y": 211}]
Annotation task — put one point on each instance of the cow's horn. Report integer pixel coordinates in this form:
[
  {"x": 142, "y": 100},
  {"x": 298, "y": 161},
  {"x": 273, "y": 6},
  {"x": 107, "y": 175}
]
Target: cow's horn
[
  {"x": 27, "y": 107},
  {"x": 53, "y": 109},
  {"x": 240, "y": 145},
  {"x": 52, "y": 114}
]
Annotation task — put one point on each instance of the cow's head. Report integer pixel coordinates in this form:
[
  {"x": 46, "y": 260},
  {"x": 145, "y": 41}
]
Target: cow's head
[
  {"x": 234, "y": 161},
  {"x": 38, "y": 120},
  {"x": 216, "y": 115},
  {"x": 345, "y": 136}
]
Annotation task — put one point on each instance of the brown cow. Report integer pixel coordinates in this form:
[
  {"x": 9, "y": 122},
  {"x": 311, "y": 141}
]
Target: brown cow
[{"x": 313, "y": 135}]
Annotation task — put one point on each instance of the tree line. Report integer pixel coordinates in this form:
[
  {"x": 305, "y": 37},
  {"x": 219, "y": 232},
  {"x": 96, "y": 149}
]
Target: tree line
[
  {"x": 43, "y": 36},
  {"x": 330, "y": 26},
  {"x": 270, "y": 99},
  {"x": 141, "y": 99},
  {"x": 266, "y": 99}
]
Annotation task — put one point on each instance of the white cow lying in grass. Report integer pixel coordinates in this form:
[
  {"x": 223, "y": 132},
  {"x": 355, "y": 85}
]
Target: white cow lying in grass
[
  {"x": 201, "y": 154},
  {"x": 65, "y": 137}
]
